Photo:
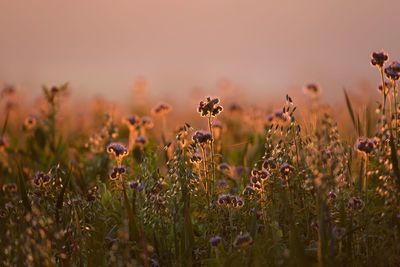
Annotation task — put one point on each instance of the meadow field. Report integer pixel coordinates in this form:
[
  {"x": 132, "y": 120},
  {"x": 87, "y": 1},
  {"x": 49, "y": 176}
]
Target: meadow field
[{"x": 235, "y": 184}]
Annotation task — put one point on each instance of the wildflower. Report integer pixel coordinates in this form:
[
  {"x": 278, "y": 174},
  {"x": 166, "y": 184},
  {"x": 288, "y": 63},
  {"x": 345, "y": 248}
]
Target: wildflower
[
  {"x": 248, "y": 190},
  {"x": 355, "y": 204},
  {"x": 10, "y": 187},
  {"x": 202, "y": 137},
  {"x": 132, "y": 121},
  {"x": 147, "y": 122},
  {"x": 263, "y": 174},
  {"x": 141, "y": 140},
  {"x": 365, "y": 145},
  {"x": 222, "y": 184},
  {"x": 393, "y": 70},
  {"x": 119, "y": 150},
  {"x": 30, "y": 123},
  {"x": 214, "y": 241},
  {"x": 338, "y": 232},
  {"x": 379, "y": 58},
  {"x": 286, "y": 169},
  {"x": 161, "y": 109},
  {"x": 224, "y": 166},
  {"x": 242, "y": 240},
  {"x": 153, "y": 262},
  {"x": 41, "y": 178},
  {"x": 116, "y": 173},
  {"x": 209, "y": 107},
  {"x": 313, "y": 89},
  {"x": 230, "y": 201},
  {"x": 269, "y": 163},
  {"x": 134, "y": 184}
]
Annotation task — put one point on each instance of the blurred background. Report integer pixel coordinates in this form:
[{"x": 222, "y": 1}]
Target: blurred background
[{"x": 184, "y": 48}]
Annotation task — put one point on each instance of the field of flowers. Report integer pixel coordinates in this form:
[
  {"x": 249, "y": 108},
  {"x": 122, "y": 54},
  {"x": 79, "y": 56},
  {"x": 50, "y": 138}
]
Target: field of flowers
[{"x": 248, "y": 188}]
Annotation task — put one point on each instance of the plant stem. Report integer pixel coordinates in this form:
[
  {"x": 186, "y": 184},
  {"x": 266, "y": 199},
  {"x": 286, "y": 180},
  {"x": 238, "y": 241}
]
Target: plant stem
[{"x": 212, "y": 157}]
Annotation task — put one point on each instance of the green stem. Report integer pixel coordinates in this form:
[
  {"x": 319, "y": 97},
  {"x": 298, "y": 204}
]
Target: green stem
[{"x": 212, "y": 157}]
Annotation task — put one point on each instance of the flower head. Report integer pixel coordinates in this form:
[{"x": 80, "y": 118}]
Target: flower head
[
  {"x": 30, "y": 123},
  {"x": 393, "y": 70},
  {"x": 202, "y": 137},
  {"x": 161, "y": 109},
  {"x": 117, "y": 171},
  {"x": 338, "y": 232},
  {"x": 366, "y": 145},
  {"x": 355, "y": 204},
  {"x": 214, "y": 241},
  {"x": 41, "y": 179},
  {"x": 230, "y": 201},
  {"x": 312, "y": 89},
  {"x": 118, "y": 150},
  {"x": 286, "y": 169},
  {"x": 379, "y": 58},
  {"x": 242, "y": 240},
  {"x": 209, "y": 107}
]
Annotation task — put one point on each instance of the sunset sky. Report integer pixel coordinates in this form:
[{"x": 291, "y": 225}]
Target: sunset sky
[{"x": 101, "y": 47}]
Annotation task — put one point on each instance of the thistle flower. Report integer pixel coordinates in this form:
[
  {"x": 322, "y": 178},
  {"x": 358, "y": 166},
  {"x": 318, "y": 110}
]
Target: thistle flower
[
  {"x": 224, "y": 166},
  {"x": 393, "y": 71},
  {"x": 134, "y": 184},
  {"x": 338, "y": 232},
  {"x": 312, "y": 89},
  {"x": 214, "y": 241},
  {"x": 8, "y": 90},
  {"x": 242, "y": 240},
  {"x": 117, "y": 171},
  {"x": 222, "y": 184},
  {"x": 263, "y": 174},
  {"x": 161, "y": 109},
  {"x": 366, "y": 145},
  {"x": 202, "y": 137},
  {"x": 10, "y": 187},
  {"x": 379, "y": 58},
  {"x": 209, "y": 107},
  {"x": 41, "y": 179},
  {"x": 118, "y": 150},
  {"x": 286, "y": 169}
]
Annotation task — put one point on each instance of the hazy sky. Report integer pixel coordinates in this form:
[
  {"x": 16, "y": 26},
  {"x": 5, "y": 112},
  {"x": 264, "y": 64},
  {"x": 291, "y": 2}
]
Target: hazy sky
[{"x": 265, "y": 46}]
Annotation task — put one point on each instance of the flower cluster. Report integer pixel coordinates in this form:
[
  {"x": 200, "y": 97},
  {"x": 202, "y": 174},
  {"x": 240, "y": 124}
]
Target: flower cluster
[
  {"x": 202, "y": 137},
  {"x": 41, "y": 178},
  {"x": 161, "y": 109},
  {"x": 366, "y": 145},
  {"x": 10, "y": 187},
  {"x": 230, "y": 201},
  {"x": 214, "y": 241},
  {"x": 393, "y": 70},
  {"x": 117, "y": 171},
  {"x": 379, "y": 58},
  {"x": 278, "y": 117},
  {"x": 118, "y": 150},
  {"x": 209, "y": 107},
  {"x": 286, "y": 169},
  {"x": 258, "y": 177},
  {"x": 242, "y": 240}
]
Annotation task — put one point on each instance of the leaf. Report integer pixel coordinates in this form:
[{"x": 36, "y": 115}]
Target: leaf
[{"x": 350, "y": 109}]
